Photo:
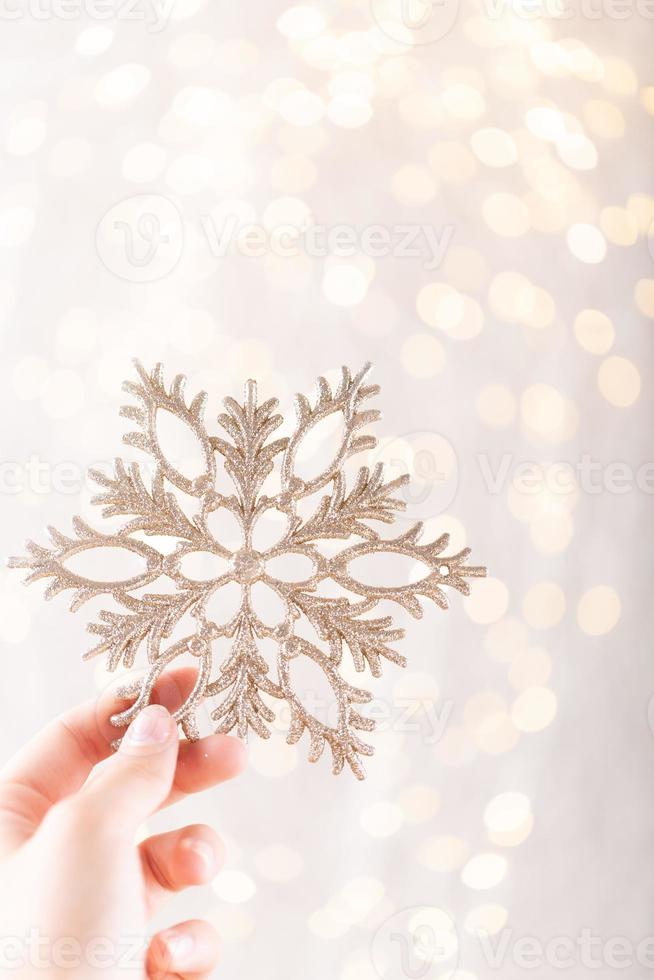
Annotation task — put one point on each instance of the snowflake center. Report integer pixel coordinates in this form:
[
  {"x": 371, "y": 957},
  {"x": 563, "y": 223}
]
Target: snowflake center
[{"x": 246, "y": 566}]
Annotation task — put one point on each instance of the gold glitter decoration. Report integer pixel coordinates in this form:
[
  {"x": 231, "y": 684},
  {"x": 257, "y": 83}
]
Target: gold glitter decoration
[{"x": 249, "y": 456}]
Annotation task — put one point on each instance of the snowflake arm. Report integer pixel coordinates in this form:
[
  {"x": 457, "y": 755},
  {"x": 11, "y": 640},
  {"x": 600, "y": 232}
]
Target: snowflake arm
[
  {"x": 343, "y": 740},
  {"x": 341, "y": 514},
  {"x": 140, "y": 692},
  {"x": 154, "y": 511},
  {"x": 248, "y": 457},
  {"x": 150, "y": 620},
  {"x": 444, "y": 570},
  {"x": 154, "y": 397},
  {"x": 244, "y": 676},
  {"x": 50, "y": 563},
  {"x": 339, "y": 622},
  {"x": 347, "y": 399}
]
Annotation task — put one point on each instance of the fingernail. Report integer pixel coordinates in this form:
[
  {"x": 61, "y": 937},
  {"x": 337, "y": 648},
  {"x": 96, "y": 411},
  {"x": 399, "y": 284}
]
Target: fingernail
[
  {"x": 181, "y": 948},
  {"x": 204, "y": 851},
  {"x": 150, "y": 727}
]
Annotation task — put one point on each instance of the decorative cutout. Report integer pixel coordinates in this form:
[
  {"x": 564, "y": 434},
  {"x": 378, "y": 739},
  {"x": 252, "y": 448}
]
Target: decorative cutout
[{"x": 244, "y": 687}]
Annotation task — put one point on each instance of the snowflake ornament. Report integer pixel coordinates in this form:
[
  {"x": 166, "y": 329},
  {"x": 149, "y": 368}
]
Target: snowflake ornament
[{"x": 243, "y": 683}]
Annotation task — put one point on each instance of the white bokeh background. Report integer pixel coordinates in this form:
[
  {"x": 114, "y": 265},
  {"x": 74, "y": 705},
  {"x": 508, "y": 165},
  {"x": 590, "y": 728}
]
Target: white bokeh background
[{"x": 526, "y": 140}]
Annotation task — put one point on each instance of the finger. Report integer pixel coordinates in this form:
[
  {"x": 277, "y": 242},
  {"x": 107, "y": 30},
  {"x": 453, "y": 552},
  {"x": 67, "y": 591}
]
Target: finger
[
  {"x": 180, "y": 859},
  {"x": 188, "y": 950},
  {"x": 202, "y": 764},
  {"x": 206, "y": 763},
  {"x": 137, "y": 780},
  {"x": 58, "y": 762}
]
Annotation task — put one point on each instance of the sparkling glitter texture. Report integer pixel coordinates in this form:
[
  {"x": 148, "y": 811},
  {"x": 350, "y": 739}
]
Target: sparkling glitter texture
[{"x": 244, "y": 687}]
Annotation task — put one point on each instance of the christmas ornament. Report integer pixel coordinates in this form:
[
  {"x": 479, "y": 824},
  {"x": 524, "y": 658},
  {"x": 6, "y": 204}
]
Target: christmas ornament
[{"x": 243, "y": 685}]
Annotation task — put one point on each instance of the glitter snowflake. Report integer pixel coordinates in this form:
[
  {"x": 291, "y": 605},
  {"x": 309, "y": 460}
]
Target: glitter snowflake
[{"x": 244, "y": 686}]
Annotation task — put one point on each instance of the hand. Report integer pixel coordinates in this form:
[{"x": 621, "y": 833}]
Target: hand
[{"x": 75, "y": 891}]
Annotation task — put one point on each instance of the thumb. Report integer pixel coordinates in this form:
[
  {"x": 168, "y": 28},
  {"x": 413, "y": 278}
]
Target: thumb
[{"x": 139, "y": 777}]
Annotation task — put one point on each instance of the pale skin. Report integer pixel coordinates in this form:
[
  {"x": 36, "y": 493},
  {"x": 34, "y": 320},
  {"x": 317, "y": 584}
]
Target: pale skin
[{"x": 76, "y": 891}]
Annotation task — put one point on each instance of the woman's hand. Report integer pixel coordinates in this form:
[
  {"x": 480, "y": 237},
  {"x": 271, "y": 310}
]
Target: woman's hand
[{"x": 76, "y": 893}]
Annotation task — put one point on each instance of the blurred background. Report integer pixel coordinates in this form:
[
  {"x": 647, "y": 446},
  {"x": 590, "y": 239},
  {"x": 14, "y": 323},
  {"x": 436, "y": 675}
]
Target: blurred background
[{"x": 460, "y": 192}]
